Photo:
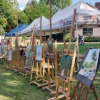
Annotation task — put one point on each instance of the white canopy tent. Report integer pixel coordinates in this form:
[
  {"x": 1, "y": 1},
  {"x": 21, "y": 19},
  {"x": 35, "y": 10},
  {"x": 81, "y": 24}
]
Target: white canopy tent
[
  {"x": 27, "y": 31},
  {"x": 86, "y": 15}
]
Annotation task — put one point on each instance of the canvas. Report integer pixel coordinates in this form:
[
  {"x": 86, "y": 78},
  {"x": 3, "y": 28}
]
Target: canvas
[
  {"x": 28, "y": 63},
  {"x": 50, "y": 46},
  {"x": 9, "y": 55},
  {"x": 27, "y": 51},
  {"x": 89, "y": 67},
  {"x": 5, "y": 50},
  {"x": 65, "y": 65},
  {"x": 39, "y": 52}
]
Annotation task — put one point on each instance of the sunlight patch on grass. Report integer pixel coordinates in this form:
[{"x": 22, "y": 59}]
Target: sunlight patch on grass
[
  {"x": 2, "y": 97},
  {"x": 13, "y": 83},
  {"x": 6, "y": 74}
]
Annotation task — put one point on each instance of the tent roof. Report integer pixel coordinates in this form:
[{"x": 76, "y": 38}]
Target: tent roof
[
  {"x": 13, "y": 31},
  {"x": 85, "y": 14},
  {"x": 29, "y": 29}
]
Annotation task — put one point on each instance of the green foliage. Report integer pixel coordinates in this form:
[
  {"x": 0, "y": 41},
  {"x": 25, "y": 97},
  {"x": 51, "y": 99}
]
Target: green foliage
[
  {"x": 34, "y": 10},
  {"x": 7, "y": 15},
  {"x": 92, "y": 39},
  {"x": 59, "y": 4},
  {"x": 24, "y": 38},
  {"x": 66, "y": 37}
]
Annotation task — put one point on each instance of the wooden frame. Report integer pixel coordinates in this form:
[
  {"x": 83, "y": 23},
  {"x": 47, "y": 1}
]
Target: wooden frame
[
  {"x": 40, "y": 73},
  {"x": 81, "y": 90},
  {"x": 69, "y": 79},
  {"x": 51, "y": 57},
  {"x": 9, "y": 57},
  {"x": 30, "y": 71}
]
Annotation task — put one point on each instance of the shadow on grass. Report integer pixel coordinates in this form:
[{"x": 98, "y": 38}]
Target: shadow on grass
[{"x": 16, "y": 87}]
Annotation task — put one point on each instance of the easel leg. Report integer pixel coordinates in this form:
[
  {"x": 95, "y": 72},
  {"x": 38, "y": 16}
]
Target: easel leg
[
  {"x": 94, "y": 91},
  {"x": 86, "y": 94},
  {"x": 48, "y": 72},
  {"x": 80, "y": 92},
  {"x": 68, "y": 92},
  {"x": 52, "y": 70},
  {"x": 57, "y": 86},
  {"x": 36, "y": 71},
  {"x": 64, "y": 86},
  {"x": 31, "y": 74},
  {"x": 75, "y": 91}
]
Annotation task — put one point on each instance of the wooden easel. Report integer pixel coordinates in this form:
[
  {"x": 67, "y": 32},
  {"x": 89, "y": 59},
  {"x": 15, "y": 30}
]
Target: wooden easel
[
  {"x": 9, "y": 60},
  {"x": 40, "y": 73},
  {"x": 81, "y": 90},
  {"x": 68, "y": 79},
  {"x": 16, "y": 61},
  {"x": 30, "y": 70},
  {"x": 51, "y": 56}
]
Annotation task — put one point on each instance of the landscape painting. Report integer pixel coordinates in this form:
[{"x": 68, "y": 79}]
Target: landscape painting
[
  {"x": 89, "y": 67},
  {"x": 39, "y": 52},
  {"x": 50, "y": 46},
  {"x": 65, "y": 65}
]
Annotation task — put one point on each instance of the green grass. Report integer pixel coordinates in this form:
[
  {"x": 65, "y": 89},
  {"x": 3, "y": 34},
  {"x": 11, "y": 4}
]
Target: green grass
[{"x": 16, "y": 87}]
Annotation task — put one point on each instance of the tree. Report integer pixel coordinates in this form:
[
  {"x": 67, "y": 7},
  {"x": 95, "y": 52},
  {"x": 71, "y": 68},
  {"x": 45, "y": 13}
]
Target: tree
[
  {"x": 34, "y": 10},
  {"x": 59, "y": 4},
  {"x": 7, "y": 15}
]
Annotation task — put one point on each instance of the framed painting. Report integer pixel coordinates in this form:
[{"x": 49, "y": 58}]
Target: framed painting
[
  {"x": 50, "y": 45},
  {"x": 9, "y": 55},
  {"x": 28, "y": 63},
  {"x": 65, "y": 65},
  {"x": 89, "y": 67},
  {"x": 39, "y": 52}
]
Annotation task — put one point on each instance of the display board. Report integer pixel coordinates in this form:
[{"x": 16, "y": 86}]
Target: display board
[{"x": 89, "y": 67}]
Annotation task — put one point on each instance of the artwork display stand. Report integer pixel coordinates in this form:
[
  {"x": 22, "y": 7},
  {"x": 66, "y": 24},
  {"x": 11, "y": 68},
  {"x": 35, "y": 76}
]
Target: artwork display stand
[
  {"x": 68, "y": 79},
  {"x": 51, "y": 60},
  {"x": 87, "y": 73},
  {"x": 9, "y": 57},
  {"x": 40, "y": 70},
  {"x": 81, "y": 90},
  {"x": 16, "y": 61},
  {"x": 30, "y": 71},
  {"x": 51, "y": 57},
  {"x": 66, "y": 91}
]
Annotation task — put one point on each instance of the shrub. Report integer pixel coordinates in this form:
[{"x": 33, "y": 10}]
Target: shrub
[
  {"x": 92, "y": 39},
  {"x": 66, "y": 37}
]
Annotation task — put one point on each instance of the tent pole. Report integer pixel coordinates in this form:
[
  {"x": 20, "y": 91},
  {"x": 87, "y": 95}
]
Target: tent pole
[
  {"x": 78, "y": 44},
  {"x": 50, "y": 3}
]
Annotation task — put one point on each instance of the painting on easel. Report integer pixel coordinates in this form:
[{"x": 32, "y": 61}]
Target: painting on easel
[
  {"x": 39, "y": 52},
  {"x": 50, "y": 45},
  {"x": 28, "y": 63},
  {"x": 65, "y": 65},
  {"x": 89, "y": 67}
]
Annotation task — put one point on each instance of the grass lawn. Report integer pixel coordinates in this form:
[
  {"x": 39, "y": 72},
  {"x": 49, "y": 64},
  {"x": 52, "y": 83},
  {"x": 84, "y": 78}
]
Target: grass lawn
[{"x": 16, "y": 87}]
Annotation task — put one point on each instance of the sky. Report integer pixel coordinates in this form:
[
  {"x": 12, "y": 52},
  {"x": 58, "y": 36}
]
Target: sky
[{"x": 22, "y": 3}]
